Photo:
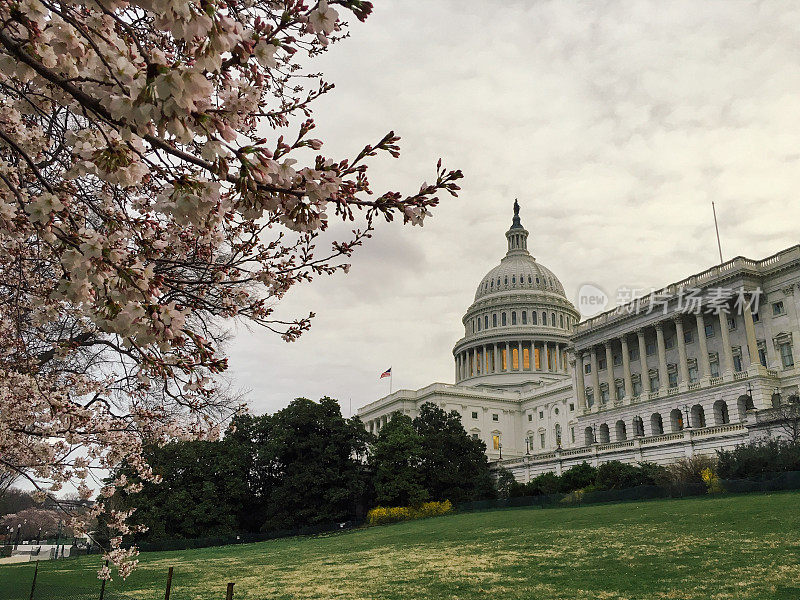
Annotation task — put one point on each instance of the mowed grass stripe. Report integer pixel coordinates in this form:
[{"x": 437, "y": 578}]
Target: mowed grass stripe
[{"x": 726, "y": 547}]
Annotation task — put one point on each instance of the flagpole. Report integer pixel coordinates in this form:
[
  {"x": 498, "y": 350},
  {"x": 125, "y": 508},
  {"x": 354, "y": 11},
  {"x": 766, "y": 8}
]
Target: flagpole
[
  {"x": 719, "y": 245},
  {"x": 391, "y": 374}
]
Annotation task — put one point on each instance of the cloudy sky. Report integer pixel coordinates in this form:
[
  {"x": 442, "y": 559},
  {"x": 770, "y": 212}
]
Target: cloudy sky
[{"x": 615, "y": 124}]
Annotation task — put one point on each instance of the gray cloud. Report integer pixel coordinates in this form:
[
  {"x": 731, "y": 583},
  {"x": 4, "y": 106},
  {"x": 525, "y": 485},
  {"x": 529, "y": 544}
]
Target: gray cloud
[{"x": 616, "y": 124}]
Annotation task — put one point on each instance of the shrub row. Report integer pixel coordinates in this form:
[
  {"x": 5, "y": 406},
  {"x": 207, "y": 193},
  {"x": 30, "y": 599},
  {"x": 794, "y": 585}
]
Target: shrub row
[
  {"x": 758, "y": 459},
  {"x": 381, "y": 515}
]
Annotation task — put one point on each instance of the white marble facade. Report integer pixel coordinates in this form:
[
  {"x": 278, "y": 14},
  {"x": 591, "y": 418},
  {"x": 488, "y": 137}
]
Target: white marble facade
[{"x": 545, "y": 390}]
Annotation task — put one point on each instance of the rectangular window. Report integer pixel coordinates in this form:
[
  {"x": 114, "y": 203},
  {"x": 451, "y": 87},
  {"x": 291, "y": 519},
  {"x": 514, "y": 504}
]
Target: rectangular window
[
  {"x": 526, "y": 359},
  {"x": 571, "y": 406},
  {"x": 524, "y": 317},
  {"x": 762, "y": 357},
  {"x": 474, "y": 414},
  {"x": 515, "y": 359},
  {"x": 479, "y": 324},
  {"x": 620, "y": 391},
  {"x": 474, "y": 436},
  {"x": 787, "y": 360},
  {"x": 495, "y": 417},
  {"x": 731, "y": 323},
  {"x": 541, "y": 414},
  {"x": 650, "y": 348},
  {"x": 589, "y": 398},
  {"x": 617, "y": 360},
  {"x": 572, "y": 434},
  {"x": 673, "y": 379},
  {"x": 533, "y": 317},
  {"x": 530, "y": 417},
  {"x": 604, "y": 396},
  {"x": 688, "y": 336},
  {"x": 709, "y": 330},
  {"x": 777, "y": 308},
  {"x": 756, "y": 317},
  {"x": 587, "y": 368},
  {"x": 503, "y": 319},
  {"x": 514, "y": 317},
  {"x": 669, "y": 342},
  {"x": 692, "y": 373},
  {"x": 541, "y": 439},
  {"x": 637, "y": 388},
  {"x": 654, "y": 381},
  {"x": 714, "y": 368},
  {"x": 601, "y": 364},
  {"x": 496, "y": 442},
  {"x": 486, "y": 321},
  {"x": 633, "y": 352},
  {"x": 737, "y": 363},
  {"x": 503, "y": 359}
]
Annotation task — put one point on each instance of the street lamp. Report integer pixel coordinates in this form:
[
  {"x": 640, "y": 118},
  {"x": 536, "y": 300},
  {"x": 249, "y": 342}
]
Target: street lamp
[
  {"x": 500, "y": 447},
  {"x": 688, "y": 422},
  {"x": 594, "y": 433},
  {"x": 19, "y": 530},
  {"x": 527, "y": 446}
]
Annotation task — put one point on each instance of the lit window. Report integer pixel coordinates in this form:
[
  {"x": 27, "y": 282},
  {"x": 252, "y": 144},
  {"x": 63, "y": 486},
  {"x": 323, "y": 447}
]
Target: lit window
[
  {"x": 777, "y": 308},
  {"x": 503, "y": 359},
  {"x": 496, "y": 442},
  {"x": 474, "y": 414},
  {"x": 495, "y": 417},
  {"x": 526, "y": 358},
  {"x": 786, "y": 355},
  {"x": 515, "y": 359}
]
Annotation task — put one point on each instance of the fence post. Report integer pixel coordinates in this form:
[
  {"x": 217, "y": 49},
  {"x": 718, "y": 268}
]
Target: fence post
[
  {"x": 229, "y": 593},
  {"x": 103, "y": 586},
  {"x": 169, "y": 583},
  {"x": 33, "y": 583}
]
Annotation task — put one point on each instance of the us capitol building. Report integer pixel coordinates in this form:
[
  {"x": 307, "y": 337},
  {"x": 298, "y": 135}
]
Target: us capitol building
[{"x": 648, "y": 381}]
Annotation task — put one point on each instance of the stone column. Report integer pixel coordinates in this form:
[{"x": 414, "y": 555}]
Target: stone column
[
  {"x": 645, "y": 371},
  {"x": 580, "y": 384},
  {"x": 727, "y": 352},
  {"x": 683, "y": 367},
  {"x": 663, "y": 379},
  {"x": 485, "y": 360},
  {"x": 626, "y": 366},
  {"x": 496, "y": 364},
  {"x": 612, "y": 388},
  {"x": 508, "y": 357},
  {"x": 520, "y": 364},
  {"x": 750, "y": 332},
  {"x": 545, "y": 356},
  {"x": 595, "y": 377},
  {"x": 705, "y": 366}
]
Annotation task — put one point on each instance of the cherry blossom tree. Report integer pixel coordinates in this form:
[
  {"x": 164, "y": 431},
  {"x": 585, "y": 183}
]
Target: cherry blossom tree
[{"x": 158, "y": 177}]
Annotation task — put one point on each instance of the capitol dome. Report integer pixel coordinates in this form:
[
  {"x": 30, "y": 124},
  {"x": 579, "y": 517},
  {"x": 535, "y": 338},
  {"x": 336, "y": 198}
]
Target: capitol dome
[{"x": 518, "y": 328}]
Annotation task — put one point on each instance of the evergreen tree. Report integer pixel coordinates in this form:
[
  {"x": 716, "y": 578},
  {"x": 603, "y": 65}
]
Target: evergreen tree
[{"x": 396, "y": 459}]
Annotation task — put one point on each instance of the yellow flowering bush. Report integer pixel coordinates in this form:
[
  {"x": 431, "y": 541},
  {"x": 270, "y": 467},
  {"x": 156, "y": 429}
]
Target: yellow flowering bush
[
  {"x": 711, "y": 480},
  {"x": 381, "y": 515}
]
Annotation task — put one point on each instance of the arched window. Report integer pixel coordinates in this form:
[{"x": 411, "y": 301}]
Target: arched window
[
  {"x": 524, "y": 317},
  {"x": 498, "y": 282},
  {"x": 603, "y": 435},
  {"x": 553, "y": 319},
  {"x": 491, "y": 284},
  {"x": 533, "y": 317},
  {"x": 494, "y": 320},
  {"x": 638, "y": 427},
  {"x": 620, "y": 431},
  {"x": 513, "y": 279},
  {"x": 721, "y": 413},
  {"x": 529, "y": 279},
  {"x": 544, "y": 318},
  {"x": 514, "y": 317},
  {"x": 776, "y": 400},
  {"x": 506, "y": 280},
  {"x": 479, "y": 323},
  {"x": 537, "y": 281},
  {"x": 744, "y": 403},
  {"x": 486, "y": 321},
  {"x": 698, "y": 416},
  {"x": 561, "y": 320},
  {"x": 675, "y": 420},
  {"x": 557, "y": 431},
  {"x": 656, "y": 424},
  {"x": 588, "y": 436},
  {"x": 503, "y": 319}
]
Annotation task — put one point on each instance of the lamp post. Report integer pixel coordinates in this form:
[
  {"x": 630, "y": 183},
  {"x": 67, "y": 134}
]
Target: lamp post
[
  {"x": 594, "y": 433},
  {"x": 688, "y": 422},
  {"x": 19, "y": 530},
  {"x": 500, "y": 447},
  {"x": 527, "y": 446}
]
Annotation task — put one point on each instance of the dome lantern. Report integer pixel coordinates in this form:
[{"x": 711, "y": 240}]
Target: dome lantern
[{"x": 517, "y": 236}]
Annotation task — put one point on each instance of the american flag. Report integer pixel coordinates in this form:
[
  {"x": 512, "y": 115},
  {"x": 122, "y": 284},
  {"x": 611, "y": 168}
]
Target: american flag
[{"x": 386, "y": 373}]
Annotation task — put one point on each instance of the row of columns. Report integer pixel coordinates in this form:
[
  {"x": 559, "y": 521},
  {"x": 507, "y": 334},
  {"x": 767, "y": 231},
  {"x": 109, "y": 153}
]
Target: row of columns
[
  {"x": 486, "y": 359},
  {"x": 703, "y": 359}
]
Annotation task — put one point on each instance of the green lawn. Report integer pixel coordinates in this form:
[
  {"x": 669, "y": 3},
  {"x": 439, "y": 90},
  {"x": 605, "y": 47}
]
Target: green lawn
[{"x": 737, "y": 547}]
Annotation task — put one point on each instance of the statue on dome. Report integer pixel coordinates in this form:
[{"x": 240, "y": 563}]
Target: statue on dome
[{"x": 516, "y": 208}]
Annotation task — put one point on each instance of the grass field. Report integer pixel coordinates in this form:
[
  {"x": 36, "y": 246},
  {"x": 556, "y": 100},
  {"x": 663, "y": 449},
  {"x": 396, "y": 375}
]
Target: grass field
[{"x": 737, "y": 547}]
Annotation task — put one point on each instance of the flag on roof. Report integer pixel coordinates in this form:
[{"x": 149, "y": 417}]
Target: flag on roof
[{"x": 386, "y": 373}]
